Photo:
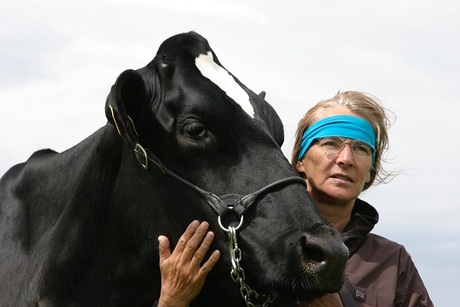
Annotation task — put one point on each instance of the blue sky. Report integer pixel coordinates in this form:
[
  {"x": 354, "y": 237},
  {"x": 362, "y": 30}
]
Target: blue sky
[{"x": 58, "y": 60}]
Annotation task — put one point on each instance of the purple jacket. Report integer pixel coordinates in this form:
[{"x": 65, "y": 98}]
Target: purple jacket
[{"x": 380, "y": 272}]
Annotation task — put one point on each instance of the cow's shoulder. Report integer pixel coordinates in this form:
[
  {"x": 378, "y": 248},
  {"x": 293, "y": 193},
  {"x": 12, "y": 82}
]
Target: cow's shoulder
[
  {"x": 35, "y": 158},
  {"x": 49, "y": 172},
  {"x": 43, "y": 153},
  {"x": 36, "y": 169}
]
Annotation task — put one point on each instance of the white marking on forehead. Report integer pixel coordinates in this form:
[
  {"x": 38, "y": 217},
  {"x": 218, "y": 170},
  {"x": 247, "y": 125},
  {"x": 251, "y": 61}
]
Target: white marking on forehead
[{"x": 223, "y": 79}]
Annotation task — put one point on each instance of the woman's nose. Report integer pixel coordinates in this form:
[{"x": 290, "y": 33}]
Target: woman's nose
[{"x": 346, "y": 155}]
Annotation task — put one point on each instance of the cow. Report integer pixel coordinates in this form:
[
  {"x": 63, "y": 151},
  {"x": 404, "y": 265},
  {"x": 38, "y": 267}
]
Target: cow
[{"x": 185, "y": 140}]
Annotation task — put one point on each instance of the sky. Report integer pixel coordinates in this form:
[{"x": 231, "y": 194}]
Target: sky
[{"x": 58, "y": 60}]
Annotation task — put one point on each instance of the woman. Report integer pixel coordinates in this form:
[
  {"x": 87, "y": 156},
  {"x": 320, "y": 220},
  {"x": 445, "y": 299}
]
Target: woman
[{"x": 338, "y": 150}]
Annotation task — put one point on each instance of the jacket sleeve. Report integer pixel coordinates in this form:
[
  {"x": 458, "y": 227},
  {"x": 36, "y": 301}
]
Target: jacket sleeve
[{"x": 411, "y": 291}]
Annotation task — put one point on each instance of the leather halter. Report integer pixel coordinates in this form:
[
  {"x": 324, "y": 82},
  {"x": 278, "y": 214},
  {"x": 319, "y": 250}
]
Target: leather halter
[{"x": 223, "y": 205}]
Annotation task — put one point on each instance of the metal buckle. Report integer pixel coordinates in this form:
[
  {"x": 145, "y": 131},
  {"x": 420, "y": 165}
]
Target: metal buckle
[{"x": 141, "y": 155}]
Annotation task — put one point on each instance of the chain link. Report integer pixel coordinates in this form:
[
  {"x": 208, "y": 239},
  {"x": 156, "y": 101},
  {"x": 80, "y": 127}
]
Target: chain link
[{"x": 238, "y": 276}]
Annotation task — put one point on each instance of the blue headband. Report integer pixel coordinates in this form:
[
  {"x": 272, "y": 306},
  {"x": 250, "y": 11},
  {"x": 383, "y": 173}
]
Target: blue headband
[{"x": 346, "y": 126}]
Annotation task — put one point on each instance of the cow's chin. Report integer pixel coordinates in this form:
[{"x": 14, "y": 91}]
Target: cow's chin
[
  {"x": 304, "y": 291},
  {"x": 324, "y": 300},
  {"x": 299, "y": 298},
  {"x": 305, "y": 299}
]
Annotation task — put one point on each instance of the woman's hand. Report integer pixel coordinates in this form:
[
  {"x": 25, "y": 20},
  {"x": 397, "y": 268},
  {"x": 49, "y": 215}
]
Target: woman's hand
[{"x": 182, "y": 275}]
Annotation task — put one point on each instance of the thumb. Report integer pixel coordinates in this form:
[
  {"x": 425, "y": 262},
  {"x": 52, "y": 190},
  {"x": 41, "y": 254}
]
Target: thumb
[{"x": 163, "y": 247}]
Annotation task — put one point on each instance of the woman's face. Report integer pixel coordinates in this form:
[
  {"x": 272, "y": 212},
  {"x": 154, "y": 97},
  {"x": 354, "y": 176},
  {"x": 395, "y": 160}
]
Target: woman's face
[{"x": 336, "y": 178}]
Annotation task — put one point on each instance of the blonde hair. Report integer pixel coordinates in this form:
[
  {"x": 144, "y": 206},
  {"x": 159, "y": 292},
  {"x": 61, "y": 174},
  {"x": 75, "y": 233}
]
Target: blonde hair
[{"x": 366, "y": 106}]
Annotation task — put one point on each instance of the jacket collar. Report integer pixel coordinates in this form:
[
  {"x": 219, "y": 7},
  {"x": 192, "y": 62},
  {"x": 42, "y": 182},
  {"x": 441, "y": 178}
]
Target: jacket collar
[{"x": 363, "y": 219}]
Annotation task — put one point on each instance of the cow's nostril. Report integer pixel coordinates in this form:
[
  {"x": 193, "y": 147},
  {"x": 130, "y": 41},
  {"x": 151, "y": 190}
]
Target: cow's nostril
[{"x": 312, "y": 252}]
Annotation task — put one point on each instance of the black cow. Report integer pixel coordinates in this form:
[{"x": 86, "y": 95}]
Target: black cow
[{"x": 80, "y": 228}]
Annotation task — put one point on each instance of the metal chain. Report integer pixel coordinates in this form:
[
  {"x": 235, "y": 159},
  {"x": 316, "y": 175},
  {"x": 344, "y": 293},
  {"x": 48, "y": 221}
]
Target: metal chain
[{"x": 237, "y": 273}]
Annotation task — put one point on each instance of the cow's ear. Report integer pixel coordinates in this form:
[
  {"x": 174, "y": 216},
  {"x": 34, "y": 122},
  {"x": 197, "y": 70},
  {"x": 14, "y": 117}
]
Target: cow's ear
[
  {"x": 272, "y": 120},
  {"x": 125, "y": 103},
  {"x": 276, "y": 128}
]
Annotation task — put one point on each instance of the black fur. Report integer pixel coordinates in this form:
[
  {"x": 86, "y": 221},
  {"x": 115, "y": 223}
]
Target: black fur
[{"x": 80, "y": 228}]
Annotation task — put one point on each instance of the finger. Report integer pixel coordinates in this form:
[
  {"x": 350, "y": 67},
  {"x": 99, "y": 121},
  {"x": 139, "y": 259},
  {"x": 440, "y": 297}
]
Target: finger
[
  {"x": 209, "y": 264},
  {"x": 203, "y": 248},
  {"x": 183, "y": 240},
  {"x": 163, "y": 248},
  {"x": 195, "y": 242}
]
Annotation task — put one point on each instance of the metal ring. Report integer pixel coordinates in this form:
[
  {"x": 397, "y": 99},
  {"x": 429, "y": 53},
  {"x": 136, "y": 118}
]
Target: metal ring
[{"x": 219, "y": 220}]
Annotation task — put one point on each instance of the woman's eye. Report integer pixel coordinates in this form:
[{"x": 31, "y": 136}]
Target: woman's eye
[
  {"x": 195, "y": 130},
  {"x": 330, "y": 144},
  {"x": 362, "y": 147}
]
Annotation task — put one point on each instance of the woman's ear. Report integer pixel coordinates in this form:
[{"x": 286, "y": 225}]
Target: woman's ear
[
  {"x": 300, "y": 168},
  {"x": 368, "y": 176}
]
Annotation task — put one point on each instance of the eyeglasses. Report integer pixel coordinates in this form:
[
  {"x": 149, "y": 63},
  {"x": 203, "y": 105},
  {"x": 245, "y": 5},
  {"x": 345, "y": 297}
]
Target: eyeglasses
[{"x": 334, "y": 145}]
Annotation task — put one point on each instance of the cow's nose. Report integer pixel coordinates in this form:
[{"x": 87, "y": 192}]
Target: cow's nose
[
  {"x": 323, "y": 254},
  {"x": 314, "y": 255}
]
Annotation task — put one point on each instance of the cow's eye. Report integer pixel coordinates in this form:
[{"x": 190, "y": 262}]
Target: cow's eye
[{"x": 195, "y": 130}]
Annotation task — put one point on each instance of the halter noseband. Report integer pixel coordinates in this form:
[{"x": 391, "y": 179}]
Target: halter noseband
[{"x": 223, "y": 205}]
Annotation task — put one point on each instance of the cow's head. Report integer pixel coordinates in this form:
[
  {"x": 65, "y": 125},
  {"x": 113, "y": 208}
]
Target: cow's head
[{"x": 214, "y": 132}]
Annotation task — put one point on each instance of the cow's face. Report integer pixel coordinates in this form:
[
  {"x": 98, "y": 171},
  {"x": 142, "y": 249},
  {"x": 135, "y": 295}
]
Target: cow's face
[{"x": 211, "y": 130}]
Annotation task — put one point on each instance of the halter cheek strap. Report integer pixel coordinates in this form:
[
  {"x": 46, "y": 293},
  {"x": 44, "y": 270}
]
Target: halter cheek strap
[{"x": 345, "y": 126}]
